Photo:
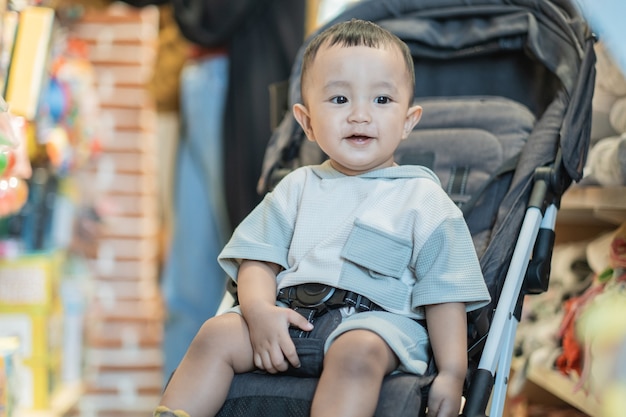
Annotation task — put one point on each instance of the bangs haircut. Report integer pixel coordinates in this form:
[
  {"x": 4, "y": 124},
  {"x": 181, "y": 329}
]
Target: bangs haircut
[{"x": 356, "y": 32}]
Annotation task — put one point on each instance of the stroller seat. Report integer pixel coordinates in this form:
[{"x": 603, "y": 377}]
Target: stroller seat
[{"x": 254, "y": 394}]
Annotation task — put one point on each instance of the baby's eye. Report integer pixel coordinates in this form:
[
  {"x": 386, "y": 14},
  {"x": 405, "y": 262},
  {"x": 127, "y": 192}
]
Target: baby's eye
[
  {"x": 339, "y": 100},
  {"x": 382, "y": 100}
]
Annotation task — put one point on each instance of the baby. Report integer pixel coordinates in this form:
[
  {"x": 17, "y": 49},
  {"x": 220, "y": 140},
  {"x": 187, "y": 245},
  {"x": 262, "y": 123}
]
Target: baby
[{"x": 383, "y": 246}]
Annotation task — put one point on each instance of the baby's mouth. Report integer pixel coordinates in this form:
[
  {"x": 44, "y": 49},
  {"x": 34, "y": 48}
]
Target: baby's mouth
[{"x": 359, "y": 138}]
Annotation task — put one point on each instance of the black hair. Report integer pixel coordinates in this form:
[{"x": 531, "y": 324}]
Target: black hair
[{"x": 356, "y": 32}]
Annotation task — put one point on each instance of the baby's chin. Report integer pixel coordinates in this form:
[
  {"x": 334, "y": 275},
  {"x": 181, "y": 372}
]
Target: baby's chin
[{"x": 358, "y": 169}]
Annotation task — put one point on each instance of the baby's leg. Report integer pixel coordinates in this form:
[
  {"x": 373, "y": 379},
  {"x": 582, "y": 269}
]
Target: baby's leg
[
  {"x": 354, "y": 368},
  {"x": 200, "y": 384}
]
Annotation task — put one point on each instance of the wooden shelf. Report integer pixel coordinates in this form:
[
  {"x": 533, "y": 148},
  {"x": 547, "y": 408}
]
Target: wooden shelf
[
  {"x": 593, "y": 204},
  {"x": 564, "y": 388},
  {"x": 62, "y": 402}
]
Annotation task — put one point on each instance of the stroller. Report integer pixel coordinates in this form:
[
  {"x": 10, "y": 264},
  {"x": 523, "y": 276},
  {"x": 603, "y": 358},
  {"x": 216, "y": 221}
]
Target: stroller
[{"x": 506, "y": 89}]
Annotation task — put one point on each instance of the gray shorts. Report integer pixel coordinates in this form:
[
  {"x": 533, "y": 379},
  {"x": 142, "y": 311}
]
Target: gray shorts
[{"x": 406, "y": 337}]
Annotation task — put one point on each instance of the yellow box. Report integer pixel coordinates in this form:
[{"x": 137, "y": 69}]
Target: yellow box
[
  {"x": 30, "y": 56},
  {"x": 37, "y": 383},
  {"x": 31, "y": 309},
  {"x": 31, "y": 280},
  {"x": 40, "y": 334},
  {"x": 39, "y": 353},
  {"x": 31, "y": 330}
]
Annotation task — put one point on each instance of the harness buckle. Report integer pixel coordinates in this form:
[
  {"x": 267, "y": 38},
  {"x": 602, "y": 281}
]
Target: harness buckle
[{"x": 321, "y": 297}]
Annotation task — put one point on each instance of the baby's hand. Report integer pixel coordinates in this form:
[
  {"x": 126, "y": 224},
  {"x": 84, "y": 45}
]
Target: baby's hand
[
  {"x": 269, "y": 335},
  {"x": 444, "y": 399}
]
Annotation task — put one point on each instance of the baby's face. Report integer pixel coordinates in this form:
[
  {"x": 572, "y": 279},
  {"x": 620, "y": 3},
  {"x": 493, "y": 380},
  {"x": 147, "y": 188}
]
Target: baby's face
[{"x": 357, "y": 106}]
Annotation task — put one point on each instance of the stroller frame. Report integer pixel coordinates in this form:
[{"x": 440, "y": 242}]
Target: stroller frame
[{"x": 536, "y": 240}]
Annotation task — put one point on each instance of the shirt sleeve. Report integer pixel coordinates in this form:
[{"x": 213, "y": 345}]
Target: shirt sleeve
[
  {"x": 266, "y": 233},
  {"x": 447, "y": 268}
]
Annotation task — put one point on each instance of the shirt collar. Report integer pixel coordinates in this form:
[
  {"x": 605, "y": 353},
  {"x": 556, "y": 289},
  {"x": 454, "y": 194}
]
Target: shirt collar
[{"x": 326, "y": 171}]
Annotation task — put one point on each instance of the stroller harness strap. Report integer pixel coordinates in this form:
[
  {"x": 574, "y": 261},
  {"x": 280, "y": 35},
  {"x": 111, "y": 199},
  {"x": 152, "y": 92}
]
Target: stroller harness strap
[{"x": 321, "y": 298}]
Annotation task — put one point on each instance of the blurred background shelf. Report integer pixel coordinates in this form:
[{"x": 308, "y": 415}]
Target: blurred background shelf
[
  {"x": 62, "y": 401},
  {"x": 588, "y": 203},
  {"x": 588, "y": 211},
  {"x": 561, "y": 387}
]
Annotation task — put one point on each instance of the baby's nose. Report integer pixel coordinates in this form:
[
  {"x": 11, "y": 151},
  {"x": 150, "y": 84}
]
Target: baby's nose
[{"x": 360, "y": 113}]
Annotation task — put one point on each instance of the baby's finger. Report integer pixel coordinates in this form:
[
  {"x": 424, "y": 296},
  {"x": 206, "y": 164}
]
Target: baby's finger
[
  {"x": 290, "y": 353},
  {"x": 263, "y": 361},
  {"x": 258, "y": 362},
  {"x": 279, "y": 363},
  {"x": 298, "y": 320}
]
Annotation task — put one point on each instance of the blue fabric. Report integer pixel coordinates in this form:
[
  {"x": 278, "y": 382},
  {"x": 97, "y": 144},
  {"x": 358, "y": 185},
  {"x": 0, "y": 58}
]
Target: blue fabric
[{"x": 193, "y": 283}]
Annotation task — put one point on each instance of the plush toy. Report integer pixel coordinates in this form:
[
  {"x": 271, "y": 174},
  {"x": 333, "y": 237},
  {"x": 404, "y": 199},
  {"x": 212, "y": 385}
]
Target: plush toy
[
  {"x": 606, "y": 162},
  {"x": 617, "y": 115}
]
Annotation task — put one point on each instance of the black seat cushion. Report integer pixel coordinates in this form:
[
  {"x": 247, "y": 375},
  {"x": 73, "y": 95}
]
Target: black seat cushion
[{"x": 256, "y": 394}]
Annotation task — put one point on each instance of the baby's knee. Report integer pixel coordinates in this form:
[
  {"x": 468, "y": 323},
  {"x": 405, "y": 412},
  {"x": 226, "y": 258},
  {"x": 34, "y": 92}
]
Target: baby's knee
[
  {"x": 224, "y": 339},
  {"x": 206, "y": 332},
  {"x": 359, "y": 351},
  {"x": 218, "y": 330}
]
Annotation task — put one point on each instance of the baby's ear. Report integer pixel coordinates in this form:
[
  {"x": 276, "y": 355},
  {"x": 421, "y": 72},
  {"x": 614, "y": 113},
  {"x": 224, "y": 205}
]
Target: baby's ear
[
  {"x": 413, "y": 116},
  {"x": 301, "y": 113}
]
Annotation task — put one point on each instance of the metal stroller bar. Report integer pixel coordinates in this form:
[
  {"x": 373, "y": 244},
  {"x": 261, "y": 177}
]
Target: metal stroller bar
[
  {"x": 495, "y": 361},
  {"x": 483, "y": 380},
  {"x": 506, "y": 354},
  {"x": 504, "y": 364}
]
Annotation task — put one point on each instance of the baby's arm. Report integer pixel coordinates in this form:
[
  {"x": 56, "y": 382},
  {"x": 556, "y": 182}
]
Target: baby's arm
[
  {"x": 447, "y": 329},
  {"x": 268, "y": 324}
]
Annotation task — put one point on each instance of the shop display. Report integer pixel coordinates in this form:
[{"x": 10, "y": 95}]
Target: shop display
[{"x": 48, "y": 133}]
